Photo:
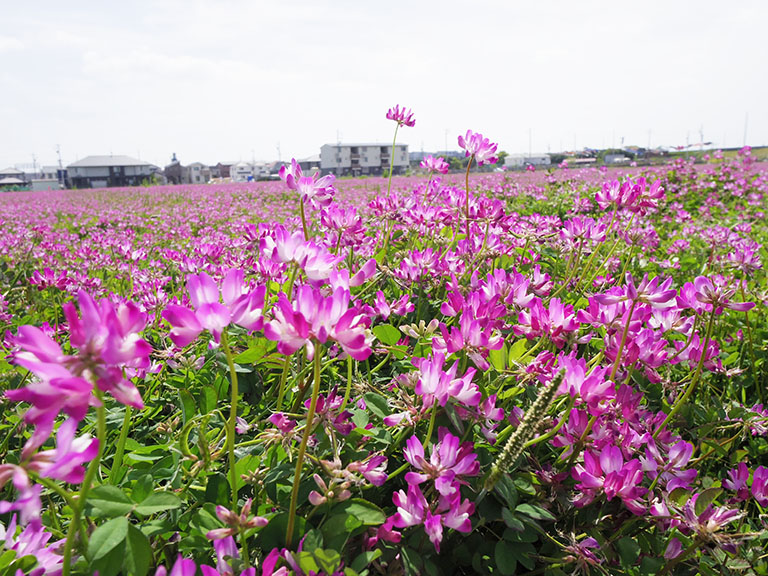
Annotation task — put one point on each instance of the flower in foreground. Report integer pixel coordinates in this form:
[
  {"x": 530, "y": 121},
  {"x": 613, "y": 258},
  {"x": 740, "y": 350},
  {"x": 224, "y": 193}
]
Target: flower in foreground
[
  {"x": 403, "y": 117},
  {"x": 242, "y": 306},
  {"x": 478, "y": 147},
  {"x": 448, "y": 461},
  {"x": 312, "y": 316},
  {"x": 317, "y": 191}
]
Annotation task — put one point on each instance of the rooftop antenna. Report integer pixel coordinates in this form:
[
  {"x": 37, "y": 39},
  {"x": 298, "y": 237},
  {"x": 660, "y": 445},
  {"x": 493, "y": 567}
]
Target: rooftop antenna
[
  {"x": 34, "y": 163},
  {"x": 279, "y": 159}
]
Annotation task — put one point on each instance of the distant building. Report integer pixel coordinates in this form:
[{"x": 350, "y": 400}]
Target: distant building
[
  {"x": 174, "y": 172},
  {"x": 197, "y": 173},
  {"x": 310, "y": 165},
  {"x": 615, "y": 159},
  {"x": 522, "y": 160},
  {"x": 12, "y": 173},
  {"x": 222, "y": 169},
  {"x": 362, "y": 159},
  {"x": 110, "y": 171}
]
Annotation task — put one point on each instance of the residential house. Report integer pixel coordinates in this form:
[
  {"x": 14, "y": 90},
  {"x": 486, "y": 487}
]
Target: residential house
[
  {"x": 110, "y": 171},
  {"x": 362, "y": 159},
  {"x": 522, "y": 160},
  {"x": 197, "y": 173}
]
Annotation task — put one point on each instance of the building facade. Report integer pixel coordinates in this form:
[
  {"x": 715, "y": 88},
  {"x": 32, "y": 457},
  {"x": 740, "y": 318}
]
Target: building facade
[
  {"x": 110, "y": 171},
  {"x": 362, "y": 159}
]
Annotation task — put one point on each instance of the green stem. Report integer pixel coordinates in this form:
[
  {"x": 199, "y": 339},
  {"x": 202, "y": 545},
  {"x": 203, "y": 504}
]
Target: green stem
[
  {"x": 751, "y": 346},
  {"x": 431, "y": 426},
  {"x": 696, "y": 376},
  {"x": 349, "y": 384},
  {"x": 232, "y": 422},
  {"x": 303, "y": 219},
  {"x": 392, "y": 160},
  {"x": 623, "y": 340},
  {"x": 117, "y": 462},
  {"x": 303, "y": 448},
  {"x": 90, "y": 474},
  {"x": 466, "y": 182}
]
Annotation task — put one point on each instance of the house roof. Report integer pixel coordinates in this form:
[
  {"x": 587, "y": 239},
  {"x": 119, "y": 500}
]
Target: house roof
[
  {"x": 4, "y": 181},
  {"x": 361, "y": 144},
  {"x": 106, "y": 161},
  {"x": 7, "y": 171}
]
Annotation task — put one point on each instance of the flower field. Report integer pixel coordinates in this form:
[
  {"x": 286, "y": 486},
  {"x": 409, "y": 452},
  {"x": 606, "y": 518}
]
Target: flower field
[{"x": 493, "y": 373}]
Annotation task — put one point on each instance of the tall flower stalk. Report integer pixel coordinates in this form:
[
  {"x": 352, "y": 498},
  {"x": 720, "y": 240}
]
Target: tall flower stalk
[
  {"x": 303, "y": 446},
  {"x": 483, "y": 151}
]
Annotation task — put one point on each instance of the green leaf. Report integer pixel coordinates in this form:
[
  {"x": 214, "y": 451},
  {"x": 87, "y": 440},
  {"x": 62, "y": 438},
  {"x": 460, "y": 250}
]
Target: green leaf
[
  {"x": 376, "y": 404},
  {"x": 629, "y": 551},
  {"x": 505, "y": 557},
  {"x": 208, "y": 399},
  {"x": 387, "y": 333},
  {"x": 517, "y": 349},
  {"x": 367, "y": 513},
  {"x": 680, "y": 496},
  {"x": 363, "y": 560},
  {"x": 158, "y": 502},
  {"x": 187, "y": 405},
  {"x": 505, "y": 488},
  {"x": 535, "y": 512},
  {"x": 6, "y": 558},
  {"x": 110, "y": 501},
  {"x": 511, "y": 521},
  {"x": 142, "y": 487},
  {"x": 252, "y": 355},
  {"x": 705, "y": 498},
  {"x": 328, "y": 560},
  {"x": 138, "y": 553},
  {"x": 498, "y": 358},
  {"x": 107, "y": 537}
]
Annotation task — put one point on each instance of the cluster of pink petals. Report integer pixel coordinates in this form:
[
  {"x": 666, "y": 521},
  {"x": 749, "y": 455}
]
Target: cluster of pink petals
[
  {"x": 449, "y": 460},
  {"x": 315, "y": 190},
  {"x": 557, "y": 321},
  {"x": 473, "y": 336},
  {"x": 449, "y": 512},
  {"x": 313, "y": 317},
  {"x": 241, "y": 305},
  {"x": 478, "y": 147},
  {"x": 433, "y": 164},
  {"x": 437, "y": 385},
  {"x": 608, "y": 474},
  {"x": 108, "y": 344},
  {"x": 403, "y": 117}
]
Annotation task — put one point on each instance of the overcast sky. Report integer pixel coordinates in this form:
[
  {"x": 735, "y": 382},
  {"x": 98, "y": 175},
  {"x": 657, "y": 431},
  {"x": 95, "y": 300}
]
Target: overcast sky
[{"x": 236, "y": 79}]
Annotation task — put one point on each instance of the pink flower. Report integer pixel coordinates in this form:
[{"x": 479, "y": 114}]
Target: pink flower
[
  {"x": 316, "y": 191},
  {"x": 760, "y": 485},
  {"x": 479, "y": 148},
  {"x": 448, "y": 461},
  {"x": 437, "y": 385},
  {"x": 476, "y": 338},
  {"x": 182, "y": 567},
  {"x": 236, "y": 523},
  {"x": 717, "y": 294},
  {"x": 242, "y": 306},
  {"x": 433, "y": 164},
  {"x": 403, "y": 117},
  {"x": 314, "y": 317},
  {"x": 65, "y": 461}
]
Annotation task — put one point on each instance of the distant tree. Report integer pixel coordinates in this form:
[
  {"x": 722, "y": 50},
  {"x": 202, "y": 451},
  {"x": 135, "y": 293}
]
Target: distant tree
[{"x": 502, "y": 155}]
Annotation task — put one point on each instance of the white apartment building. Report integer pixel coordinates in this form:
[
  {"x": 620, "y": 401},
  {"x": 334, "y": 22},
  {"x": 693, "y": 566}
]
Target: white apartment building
[{"x": 362, "y": 159}]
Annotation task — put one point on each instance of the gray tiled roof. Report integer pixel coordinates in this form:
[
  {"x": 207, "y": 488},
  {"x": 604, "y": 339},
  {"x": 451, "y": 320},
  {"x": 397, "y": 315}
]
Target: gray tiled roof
[{"x": 105, "y": 161}]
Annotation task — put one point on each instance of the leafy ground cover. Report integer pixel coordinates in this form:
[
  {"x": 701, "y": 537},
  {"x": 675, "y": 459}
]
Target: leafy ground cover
[{"x": 547, "y": 373}]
